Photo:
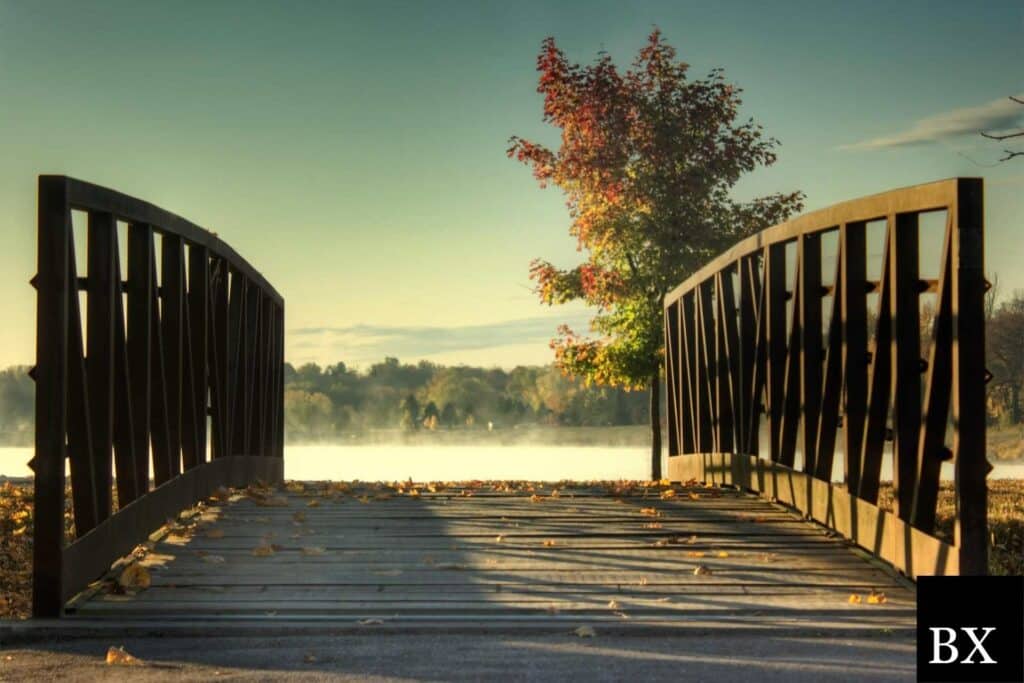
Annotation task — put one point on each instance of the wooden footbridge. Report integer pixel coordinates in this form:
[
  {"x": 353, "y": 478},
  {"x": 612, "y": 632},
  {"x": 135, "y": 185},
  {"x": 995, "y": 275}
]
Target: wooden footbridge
[{"x": 781, "y": 370}]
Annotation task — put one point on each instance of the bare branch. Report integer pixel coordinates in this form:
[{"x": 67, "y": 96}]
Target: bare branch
[{"x": 990, "y": 136}]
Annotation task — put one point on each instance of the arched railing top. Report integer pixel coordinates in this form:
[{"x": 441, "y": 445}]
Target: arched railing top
[
  {"x": 848, "y": 365},
  {"x": 941, "y": 194},
  {"x": 86, "y": 196}
]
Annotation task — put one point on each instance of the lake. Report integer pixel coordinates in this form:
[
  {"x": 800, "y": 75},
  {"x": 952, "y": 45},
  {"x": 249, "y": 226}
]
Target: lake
[{"x": 448, "y": 463}]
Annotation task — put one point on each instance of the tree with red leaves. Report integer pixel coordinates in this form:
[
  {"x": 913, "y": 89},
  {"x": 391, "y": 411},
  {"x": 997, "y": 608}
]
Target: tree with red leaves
[{"x": 647, "y": 161}]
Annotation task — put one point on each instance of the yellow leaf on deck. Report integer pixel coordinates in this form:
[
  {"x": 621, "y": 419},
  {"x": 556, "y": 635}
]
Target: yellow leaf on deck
[
  {"x": 612, "y": 604},
  {"x": 134, "y": 576},
  {"x": 722, "y": 553},
  {"x": 665, "y": 482},
  {"x": 701, "y": 570},
  {"x": 876, "y": 598},
  {"x": 549, "y": 542},
  {"x": 694, "y": 496},
  {"x": 536, "y": 499},
  {"x": 650, "y": 512},
  {"x": 500, "y": 538},
  {"x": 696, "y": 553},
  {"x": 665, "y": 495},
  {"x": 585, "y": 632},
  {"x": 652, "y": 525},
  {"x": 263, "y": 551},
  {"x": 20, "y": 531},
  {"x": 117, "y": 656},
  {"x": 855, "y": 599},
  {"x": 314, "y": 503}
]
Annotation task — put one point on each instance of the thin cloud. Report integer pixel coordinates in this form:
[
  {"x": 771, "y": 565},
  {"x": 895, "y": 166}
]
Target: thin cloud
[
  {"x": 998, "y": 115},
  {"x": 361, "y": 344}
]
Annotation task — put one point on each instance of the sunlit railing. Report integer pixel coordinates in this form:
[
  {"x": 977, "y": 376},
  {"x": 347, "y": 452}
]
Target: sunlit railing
[
  {"x": 833, "y": 358},
  {"x": 172, "y": 369}
]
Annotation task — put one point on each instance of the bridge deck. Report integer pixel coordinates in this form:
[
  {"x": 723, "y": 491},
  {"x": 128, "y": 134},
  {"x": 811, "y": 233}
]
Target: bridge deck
[{"x": 360, "y": 558}]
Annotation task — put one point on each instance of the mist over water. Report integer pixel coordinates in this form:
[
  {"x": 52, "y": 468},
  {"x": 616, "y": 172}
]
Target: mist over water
[{"x": 391, "y": 462}]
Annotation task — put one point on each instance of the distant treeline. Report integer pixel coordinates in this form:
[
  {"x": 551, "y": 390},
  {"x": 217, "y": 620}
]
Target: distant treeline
[
  {"x": 321, "y": 403},
  {"x": 324, "y": 403}
]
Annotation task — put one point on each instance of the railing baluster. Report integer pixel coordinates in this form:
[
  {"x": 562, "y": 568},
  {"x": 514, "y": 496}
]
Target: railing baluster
[
  {"x": 905, "y": 358},
  {"x": 775, "y": 337},
  {"x": 811, "y": 353},
  {"x": 879, "y": 388},
  {"x": 172, "y": 323},
  {"x": 101, "y": 242},
  {"x": 51, "y": 401},
  {"x": 140, "y": 345},
  {"x": 969, "y": 377},
  {"x": 125, "y": 455},
  {"x": 199, "y": 316},
  {"x": 938, "y": 395},
  {"x": 853, "y": 247},
  {"x": 672, "y": 379}
]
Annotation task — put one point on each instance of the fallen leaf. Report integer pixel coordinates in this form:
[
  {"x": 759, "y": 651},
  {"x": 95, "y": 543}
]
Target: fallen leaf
[
  {"x": 134, "y": 576},
  {"x": 855, "y": 599},
  {"x": 877, "y": 598},
  {"x": 500, "y": 538},
  {"x": 722, "y": 553},
  {"x": 536, "y": 499},
  {"x": 585, "y": 632},
  {"x": 694, "y": 496},
  {"x": 701, "y": 570},
  {"x": 665, "y": 495},
  {"x": 263, "y": 551},
  {"x": 549, "y": 543},
  {"x": 652, "y": 525},
  {"x": 314, "y": 503},
  {"x": 696, "y": 553},
  {"x": 117, "y": 656},
  {"x": 650, "y": 512},
  {"x": 613, "y": 604}
]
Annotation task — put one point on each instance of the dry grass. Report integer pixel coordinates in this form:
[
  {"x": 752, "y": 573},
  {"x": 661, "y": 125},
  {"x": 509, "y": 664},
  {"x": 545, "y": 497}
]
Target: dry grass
[{"x": 1005, "y": 522}]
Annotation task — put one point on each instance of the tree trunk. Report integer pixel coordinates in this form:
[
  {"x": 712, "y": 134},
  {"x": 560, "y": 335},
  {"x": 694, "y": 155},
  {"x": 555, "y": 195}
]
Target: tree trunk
[{"x": 655, "y": 427}]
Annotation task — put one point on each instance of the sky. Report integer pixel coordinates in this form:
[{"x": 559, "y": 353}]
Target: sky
[{"x": 354, "y": 152}]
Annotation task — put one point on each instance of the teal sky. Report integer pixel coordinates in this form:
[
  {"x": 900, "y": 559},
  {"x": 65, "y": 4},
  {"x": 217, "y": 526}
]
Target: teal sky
[{"x": 355, "y": 152}]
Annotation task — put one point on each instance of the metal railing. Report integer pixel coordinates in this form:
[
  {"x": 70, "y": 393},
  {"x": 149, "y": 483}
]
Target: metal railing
[
  {"x": 178, "y": 365},
  {"x": 748, "y": 336}
]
